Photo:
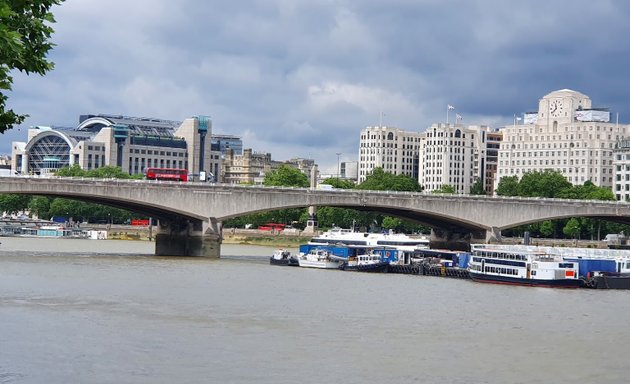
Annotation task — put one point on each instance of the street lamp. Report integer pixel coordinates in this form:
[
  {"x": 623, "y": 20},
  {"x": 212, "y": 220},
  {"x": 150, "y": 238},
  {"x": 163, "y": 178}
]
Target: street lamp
[{"x": 338, "y": 166}]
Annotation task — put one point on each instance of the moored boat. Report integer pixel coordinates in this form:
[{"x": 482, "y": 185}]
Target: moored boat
[
  {"x": 522, "y": 267},
  {"x": 318, "y": 258},
  {"x": 609, "y": 280},
  {"x": 283, "y": 257},
  {"x": 348, "y": 237},
  {"x": 368, "y": 262}
]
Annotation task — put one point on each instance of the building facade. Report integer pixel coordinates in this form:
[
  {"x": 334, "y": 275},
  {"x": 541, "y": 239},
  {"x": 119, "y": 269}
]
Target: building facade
[
  {"x": 566, "y": 134},
  {"x": 453, "y": 154},
  {"x": 349, "y": 170},
  {"x": 131, "y": 143},
  {"x": 621, "y": 164},
  {"x": 251, "y": 167},
  {"x": 392, "y": 149},
  {"x": 493, "y": 144},
  {"x": 225, "y": 142}
]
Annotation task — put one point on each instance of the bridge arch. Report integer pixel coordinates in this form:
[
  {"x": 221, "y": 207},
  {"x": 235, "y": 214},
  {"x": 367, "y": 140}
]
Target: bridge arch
[{"x": 207, "y": 204}]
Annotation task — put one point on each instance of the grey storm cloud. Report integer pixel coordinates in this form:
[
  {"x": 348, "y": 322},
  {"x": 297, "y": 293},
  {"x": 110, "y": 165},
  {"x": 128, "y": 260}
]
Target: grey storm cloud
[{"x": 302, "y": 78}]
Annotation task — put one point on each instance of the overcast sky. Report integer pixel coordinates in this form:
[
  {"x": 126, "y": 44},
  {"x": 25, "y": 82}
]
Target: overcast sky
[{"x": 301, "y": 78}]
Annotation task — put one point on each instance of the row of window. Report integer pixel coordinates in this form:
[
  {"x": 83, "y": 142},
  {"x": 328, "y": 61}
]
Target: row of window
[
  {"x": 156, "y": 152},
  {"x": 567, "y": 128},
  {"x": 502, "y": 271},
  {"x": 558, "y": 153}
]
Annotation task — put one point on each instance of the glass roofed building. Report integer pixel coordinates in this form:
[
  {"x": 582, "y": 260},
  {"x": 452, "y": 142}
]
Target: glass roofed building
[{"x": 132, "y": 143}]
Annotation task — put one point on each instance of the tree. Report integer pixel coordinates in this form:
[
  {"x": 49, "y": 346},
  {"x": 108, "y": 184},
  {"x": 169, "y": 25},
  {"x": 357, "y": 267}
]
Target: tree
[
  {"x": 547, "y": 228},
  {"x": 548, "y": 183},
  {"x": 339, "y": 183},
  {"x": 40, "y": 206},
  {"x": 286, "y": 176},
  {"x": 572, "y": 228},
  {"x": 379, "y": 180},
  {"x": 508, "y": 186},
  {"x": 24, "y": 43},
  {"x": 477, "y": 188},
  {"x": 12, "y": 203},
  {"x": 445, "y": 188},
  {"x": 107, "y": 172}
]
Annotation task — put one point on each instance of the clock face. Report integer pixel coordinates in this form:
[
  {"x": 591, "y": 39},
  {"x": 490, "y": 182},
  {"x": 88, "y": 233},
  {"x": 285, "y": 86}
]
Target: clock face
[{"x": 555, "y": 108}]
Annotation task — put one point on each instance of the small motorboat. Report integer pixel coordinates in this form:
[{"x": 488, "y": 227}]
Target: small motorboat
[{"x": 283, "y": 257}]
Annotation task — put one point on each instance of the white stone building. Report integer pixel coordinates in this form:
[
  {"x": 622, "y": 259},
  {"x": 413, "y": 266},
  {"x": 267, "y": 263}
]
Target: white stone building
[
  {"x": 566, "y": 134},
  {"x": 394, "y": 150},
  {"x": 452, "y": 154},
  {"x": 621, "y": 164}
]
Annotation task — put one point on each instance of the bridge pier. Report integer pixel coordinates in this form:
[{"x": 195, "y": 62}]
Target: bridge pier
[
  {"x": 493, "y": 235},
  {"x": 459, "y": 240},
  {"x": 186, "y": 237}
]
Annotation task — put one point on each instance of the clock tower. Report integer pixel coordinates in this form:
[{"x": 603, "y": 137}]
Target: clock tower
[{"x": 559, "y": 107}]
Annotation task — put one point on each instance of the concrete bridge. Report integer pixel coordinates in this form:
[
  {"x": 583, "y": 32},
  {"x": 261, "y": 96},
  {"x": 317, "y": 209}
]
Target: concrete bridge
[{"x": 190, "y": 214}]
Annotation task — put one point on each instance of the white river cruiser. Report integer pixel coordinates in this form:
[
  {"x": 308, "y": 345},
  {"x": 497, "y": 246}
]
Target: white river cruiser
[
  {"x": 349, "y": 237},
  {"x": 502, "y": 265}
]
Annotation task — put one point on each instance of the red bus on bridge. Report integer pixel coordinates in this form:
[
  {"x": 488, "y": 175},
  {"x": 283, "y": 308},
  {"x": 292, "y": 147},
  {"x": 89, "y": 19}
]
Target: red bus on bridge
[{"x": 171, "y": 174}]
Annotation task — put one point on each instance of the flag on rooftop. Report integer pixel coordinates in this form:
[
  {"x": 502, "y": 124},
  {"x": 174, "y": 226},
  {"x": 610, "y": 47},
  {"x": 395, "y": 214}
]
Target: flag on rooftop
[{"x": 450, "y": 107}]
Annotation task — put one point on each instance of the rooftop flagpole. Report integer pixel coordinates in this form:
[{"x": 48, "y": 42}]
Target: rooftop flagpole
[{"x": 448, "y": 109}]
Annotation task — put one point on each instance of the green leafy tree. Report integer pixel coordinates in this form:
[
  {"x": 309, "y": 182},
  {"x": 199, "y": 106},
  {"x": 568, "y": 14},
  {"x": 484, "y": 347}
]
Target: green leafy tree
[
  {"x": 40, "y": 206},
  {"x": 24, "y": 43},
  {"x": 379, "y": 180},
  {"x": 286, "y": 176},
  {"x": 548, "y": 183},
  {"x": 107, "y": 172},
  {"x": 72, "y": 171},
  {"x": 445, "y": 188},
  {"x": 587, "y": 191},
  {"x": 11, "y": 203},
  {"x": 477, "y": 188},
  {"x": 573, "y": 228},
  {"x": 111, "y": 172},
  {"x": 508, "y": 186},
  {"x": 339, "y": 183},
  {"x": 547, "y": 228}
]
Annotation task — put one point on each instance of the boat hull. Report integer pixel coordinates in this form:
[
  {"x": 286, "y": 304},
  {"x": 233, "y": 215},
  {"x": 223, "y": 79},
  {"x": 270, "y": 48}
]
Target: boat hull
[
  {"x": 559, "y": 283},
  {"x": 318, "y": 264},
  {"x": 375, "y": 267},
  {"x": 621, "y": 281},
  {"x": 291, "y": 262}
]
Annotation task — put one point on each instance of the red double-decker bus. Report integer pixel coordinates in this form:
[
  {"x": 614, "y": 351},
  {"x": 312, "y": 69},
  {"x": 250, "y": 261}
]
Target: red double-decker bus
[{"x": 171, "y": 174}]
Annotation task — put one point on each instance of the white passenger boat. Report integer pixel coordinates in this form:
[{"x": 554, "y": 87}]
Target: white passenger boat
[
  {"x": 344, "y": 236},
  {"x": 522, "y": 267},
  {"x": 318, "y": 258}
]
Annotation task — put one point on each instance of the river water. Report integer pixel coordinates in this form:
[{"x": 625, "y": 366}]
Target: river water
[{"x": 81, "y": 311}]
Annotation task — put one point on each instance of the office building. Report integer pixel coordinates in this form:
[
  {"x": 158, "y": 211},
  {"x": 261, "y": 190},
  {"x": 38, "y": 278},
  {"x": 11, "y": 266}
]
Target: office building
[
  {"x": 566, "y": 134},
  {"x": 131, "y": 143}
]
